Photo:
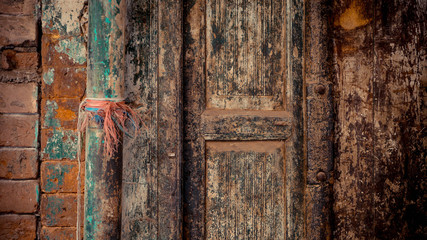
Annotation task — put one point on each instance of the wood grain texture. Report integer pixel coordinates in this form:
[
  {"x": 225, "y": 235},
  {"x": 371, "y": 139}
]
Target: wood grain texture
[
  {"x": 213, "y": 55},
  {"x": 380, "y": 156},
  {"x": 245, "y": 190},
  {"x": 152, "y": 160},
  {"x": 319, "y": 118},
  {"x": 245, "y": 54}
]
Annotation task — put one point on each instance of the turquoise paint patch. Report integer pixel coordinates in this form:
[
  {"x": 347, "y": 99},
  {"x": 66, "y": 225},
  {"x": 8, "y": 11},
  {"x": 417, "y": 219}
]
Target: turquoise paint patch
[
  {"x": 62, "y": 144},
  {"x": 56, "y": 177},
  {"x": 36, "y": 134},
  {"x": 107, "y": 20},
  {"x": 38, "y": 194},
  {"x": 54, "y": 207},
  {"x": 74, "y": 48},
  {"x": 48, "y": 76},
  {"x": 49, "y": 118},
  {"x": 96, "y": 38}
]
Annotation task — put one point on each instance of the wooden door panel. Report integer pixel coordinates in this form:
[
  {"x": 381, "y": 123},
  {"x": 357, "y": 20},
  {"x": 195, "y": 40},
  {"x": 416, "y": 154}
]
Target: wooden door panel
[
  {"x": 245, "y": 190},
  {"x": 245, "y": 54},
  {"x": 238, "y": 116}
]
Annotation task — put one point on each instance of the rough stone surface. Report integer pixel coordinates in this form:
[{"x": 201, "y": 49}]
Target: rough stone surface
[
  {"x": 18, "y": 98},
  {"x": 19, "y": 196},
  {"x": 18, "y": 163},
  {"x": 18, "y": 227},
  {"x": 19, "y": 130}
]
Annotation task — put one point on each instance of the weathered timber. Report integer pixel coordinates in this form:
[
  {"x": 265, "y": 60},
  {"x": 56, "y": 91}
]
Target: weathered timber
[
  {"x": 140, "y": 161},
  {"x": 319, "y": 119},
  {"x": 243, "y": 82},
  {"x": 380, "y": 53},
  {"x": 152, "y": 161},
  {"x": 105, "y": 80}
]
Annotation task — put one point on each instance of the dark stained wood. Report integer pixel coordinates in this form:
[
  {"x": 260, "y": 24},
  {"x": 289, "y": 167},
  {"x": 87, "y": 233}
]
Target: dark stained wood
[
  {"x": 245, "y": 54},
  {"x": 152, "y": 161},
  {"x": 354, "y": 163},
  {"x": 319, "y": 118},
  {"x": 242, "y": 84},
  {"x": 140, "y": 159},
  {"x": 400, "y": 160},
  {"x": 380, "y": 157},
  {"x": 245, "y": 190},
  {"x": 245, "y": 125}
]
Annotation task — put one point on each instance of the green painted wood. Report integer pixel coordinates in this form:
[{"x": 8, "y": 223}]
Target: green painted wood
[{"x": 105, "y": 80}]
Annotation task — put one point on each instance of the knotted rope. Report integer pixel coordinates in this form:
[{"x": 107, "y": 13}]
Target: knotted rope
[{"x": 112, "y": 115}]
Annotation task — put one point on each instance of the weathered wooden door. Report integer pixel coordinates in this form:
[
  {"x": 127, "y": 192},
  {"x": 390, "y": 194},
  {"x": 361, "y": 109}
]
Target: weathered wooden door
[
  {"x": 242, "y": 171},
  {"x": 219, "y": 84}
]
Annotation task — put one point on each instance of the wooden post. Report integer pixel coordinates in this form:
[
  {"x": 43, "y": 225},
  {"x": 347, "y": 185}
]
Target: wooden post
[{"x": 104, "y": 81}]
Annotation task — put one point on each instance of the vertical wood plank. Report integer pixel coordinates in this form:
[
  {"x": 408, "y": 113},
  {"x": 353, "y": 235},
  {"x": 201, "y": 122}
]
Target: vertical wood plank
[
  {"x": 354, "y": 165},
  {"x": 140, "y": 168},
  {"x": 194, "y": 98},
  {"x": 398, "y": 149},
  {"x": 169, "y": 121}
]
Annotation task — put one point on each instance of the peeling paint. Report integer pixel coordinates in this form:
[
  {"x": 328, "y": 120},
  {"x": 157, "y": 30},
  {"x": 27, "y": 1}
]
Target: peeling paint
[
  {"x": 74, "y": 48},
  {"x": 61, "y": 144},
  {"x": 56, "y": 177},
  {"x": 49, "y": 76},
  {"x": 49, "y": 117},
  {"x": 53, "y": 208},
  {"x": 62, "y": 16}
]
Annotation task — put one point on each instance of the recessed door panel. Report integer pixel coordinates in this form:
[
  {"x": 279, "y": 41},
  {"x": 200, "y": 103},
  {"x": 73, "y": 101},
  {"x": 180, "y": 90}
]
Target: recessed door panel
[
  {"x": 245, "y": 190},
  {"x": 245, "y": 54}
]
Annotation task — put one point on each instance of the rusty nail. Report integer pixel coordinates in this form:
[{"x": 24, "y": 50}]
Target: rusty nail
[
  {"x": 320, "y": 89},
  {"x": 321, "y": 176}
]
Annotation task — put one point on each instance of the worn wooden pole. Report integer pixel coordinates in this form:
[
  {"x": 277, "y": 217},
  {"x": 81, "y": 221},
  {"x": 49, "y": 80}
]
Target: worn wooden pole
[{"x": 104, "y": 82}]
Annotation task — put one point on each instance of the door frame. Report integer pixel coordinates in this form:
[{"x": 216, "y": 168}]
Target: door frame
[{"x": 159, "y": 95}]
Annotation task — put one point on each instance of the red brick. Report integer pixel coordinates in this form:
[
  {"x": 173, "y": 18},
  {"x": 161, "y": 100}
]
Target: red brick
[
  {"x": 19, "y": 130},
  {"x": 59, "y": 233},
  {"x": 18, "y": 98},
  {"x": 61, "y": 176},
  {"x": 19, "y": 60},
  {"x": 18, "y": 163},
  {"x": 60, "y": 113},
  {"x": 17, "y": 30},
  {"x": 18, "y": 227},
  {"x": 19, "y": 196},
  {"x": 63, "y": 82},
  {"x": 60, "y": 210},
  {"x": 21, "y": 7}
]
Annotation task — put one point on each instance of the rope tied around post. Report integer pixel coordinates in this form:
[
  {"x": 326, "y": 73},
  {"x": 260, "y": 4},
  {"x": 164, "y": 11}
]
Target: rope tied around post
[{"x": 112, "y": 115}]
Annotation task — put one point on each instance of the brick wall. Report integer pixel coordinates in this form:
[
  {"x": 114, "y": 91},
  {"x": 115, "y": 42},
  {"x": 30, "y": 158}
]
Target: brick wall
[
  {"x": 63, "y": 68},
  {"x": 42, "y": 81},
  {"x": 19, "y": 119}
]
